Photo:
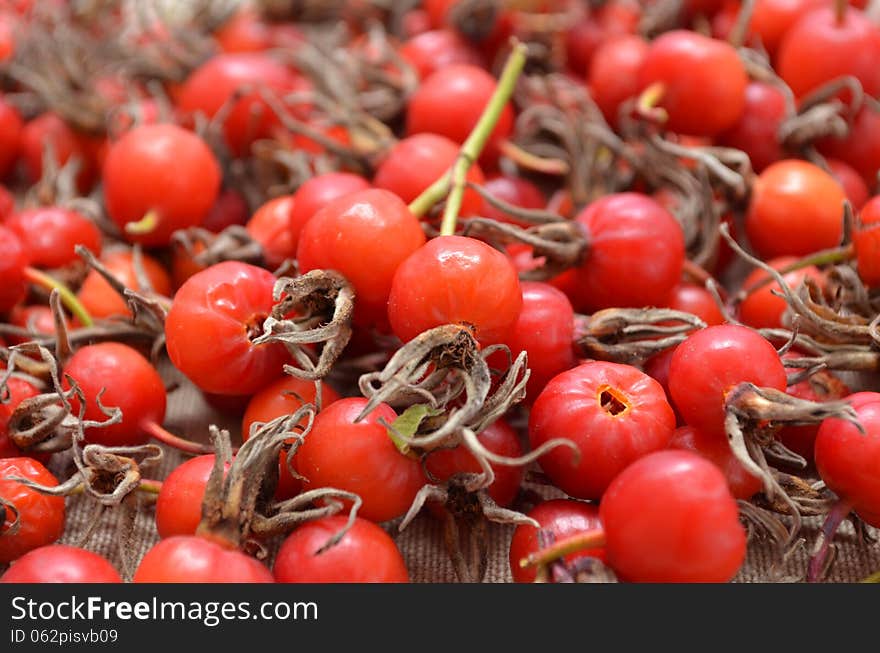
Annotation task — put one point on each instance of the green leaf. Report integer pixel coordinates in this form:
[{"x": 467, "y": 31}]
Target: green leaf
[{"x": 408, "y": 422}]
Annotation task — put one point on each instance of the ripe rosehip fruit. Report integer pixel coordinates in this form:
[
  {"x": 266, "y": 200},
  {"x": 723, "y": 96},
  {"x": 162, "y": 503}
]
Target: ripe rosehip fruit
[
  {"x": 179, "y": 504},
  {"x": 163, "y": 171},
  {"x": 59, "y": 563},
  {"x": 823, "y": 45},
  {"x": 849, "y": 461},
  {"x": 559, "y": 518},
  {"x": 366, "y": 236},
  {"x": 713, "y": 361},
  {"x": 365, "y": 554},
  {"x": 635, "y": 255},
  {"x": 697, "y": 300},
  {"x": 696, "y": 72},
  {"x": 545, "y": 331},
  {"x": 455, "y": 280},
  {"x": 50, "y": 235},
  {"x": 40, "y": 516},
  {"x": 614, "y": 72},
  {"x": 613, "y": 413},
  {"x": 360, "y": 457},
  {"x": 185, "y": 559},
  {"x": 50, "y": 128},
  {"x": 820, "y": 386},
  {"x": 270, "y": 226},
  {"x": 121, "y": 378},
  {"x": 670, "y": 518},
  {"x": 796, "y": 208},
  {"x": 209, "y": 328}
]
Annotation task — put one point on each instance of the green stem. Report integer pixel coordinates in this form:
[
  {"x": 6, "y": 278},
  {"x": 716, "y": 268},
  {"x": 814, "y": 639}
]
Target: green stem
[
  {"x": 70, "y": 300},
  {"x": 473, "y": 146},
  {"x": 592, "y": 539},
  {"x": 453, "y": 182},
  {"x": 144, "y": 226}
]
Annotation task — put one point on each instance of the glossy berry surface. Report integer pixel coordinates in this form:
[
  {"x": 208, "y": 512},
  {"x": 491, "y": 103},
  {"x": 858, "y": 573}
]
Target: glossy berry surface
[
  {"x": 209, "y": 328},
  {"x": 190, "y": 559},
  {"x": 59, "y": 563},
  {"x": 670, "y": 518},
  {"x": 40, "y": 516},
  {"x": 613, "y": 413},
  {"x": 455, "y": 280},
  {"x": 365, "y": 554},
  {"x": 164, "y": 171}
]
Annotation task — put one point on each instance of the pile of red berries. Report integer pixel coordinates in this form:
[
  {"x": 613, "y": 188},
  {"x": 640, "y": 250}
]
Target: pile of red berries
[{"x": 590, "y": 269}]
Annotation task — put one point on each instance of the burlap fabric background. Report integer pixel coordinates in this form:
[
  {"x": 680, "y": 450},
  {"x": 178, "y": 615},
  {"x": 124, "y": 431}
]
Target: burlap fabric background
[{"x": 422, "y": 542}]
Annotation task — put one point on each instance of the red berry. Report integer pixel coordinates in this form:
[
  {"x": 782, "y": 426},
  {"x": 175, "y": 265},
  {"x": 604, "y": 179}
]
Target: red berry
[
  {"x": 122, "y": 378},
  {"x": 316, "y": 193},
  {"x": 451, "y": 101},
  {"x": 697, "y": 300},
  {"x": 455, "y": 280},
  {"x": 635, "y": 253},
  {"x": 614, "y": 72},
  {"x": 545, "y": 331},
  {"x": 41, "y": 517},
  {"x": 711, "y": 362},
  {"x": 670, "y": 518},
  {"x": 822, "y": 46},
  {"x": 796, "y": 208},
  {"x": 270, "y": 226},
  {"x": 366, "y": 236},
  {"x": 866, "y": 242},
  {"x": 209, "y": 328},
  {"x": 365, "y": 554},
  {"x": 756, "y": 131},
  {"x": 761, "y": 309},
  {"x": 190, "y": 559},
  {"x": 613, "y": 413},
  {"x": 283, "y": 397},
  {"x": 849, "y": 461},
  {"x": 696, "y": 72},
  {"x": 13, "y": 261},
  {"x": 428, "y": 52},
  {"x": 50, "y": 235},
  {"x": 59, "y": 563},
  {"x": 99, "y": 298},
  {"x": 11, "y": 126},
  {"x": 360, "y": 457},
  {"x": 162, "y": 170},
  {"x": 179, "y": 504}
]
